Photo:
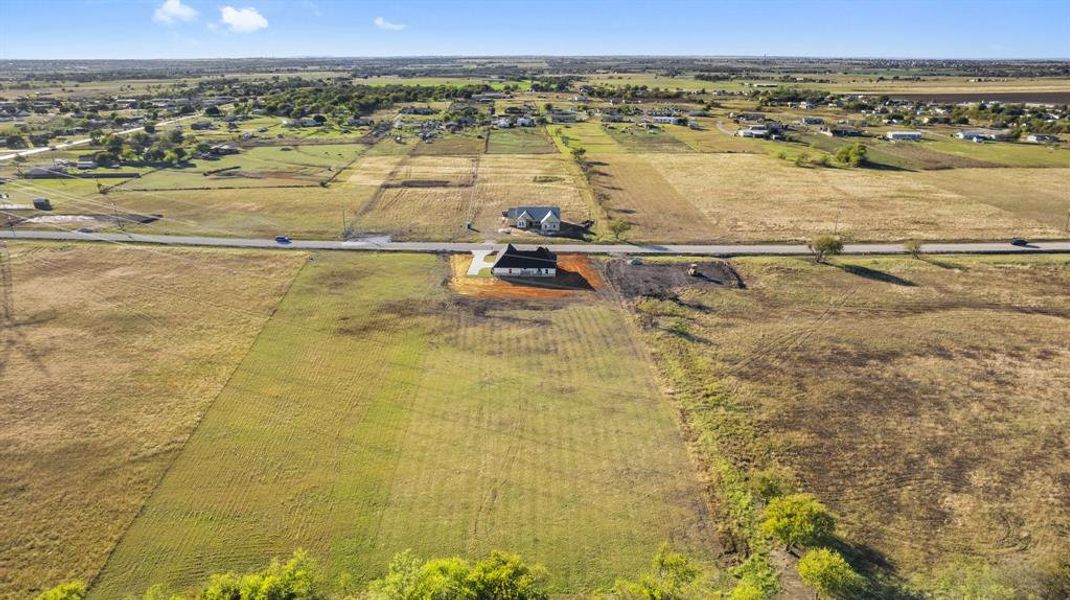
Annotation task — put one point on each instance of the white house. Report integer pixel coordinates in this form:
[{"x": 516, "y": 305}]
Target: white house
[
  {"x": 753, "y": 132},
  {"x": 903, "y": 136},
  {"x": 977, "y": 135},
  {"x": 525, "y": 263},
  {"x": 668, "y": 120},
  {"x": 1042, "y": 138},
  {"x": 545, "y": 219}
]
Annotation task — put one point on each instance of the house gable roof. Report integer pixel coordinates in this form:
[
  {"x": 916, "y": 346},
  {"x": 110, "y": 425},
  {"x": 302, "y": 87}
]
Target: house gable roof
[
  {"x": 534, "y": 213},
  {"x": 511, "y": 258}
]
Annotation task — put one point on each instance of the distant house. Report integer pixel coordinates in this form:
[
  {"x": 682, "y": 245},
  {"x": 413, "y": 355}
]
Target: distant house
[
  {"x": 841, "y": 131},
  {"x": 546, "y": 219},
  {"x": 563, "y": 116},
  {"x": 753, "y": 132},
  {"x": 811, "y": 121},
  {"x": 202, "y": 126},
  {"x": 358, "y": 121},
  {"x": 980, "y": 135},
  {"x": 86, "y": 161},
  {"x": 752, "y": 117},
  {"x": 525, "y": 263},
  {"x": 1042, "y": 138},
  {"x": 503, "y": 123},
  {"x": 903, "y": 136},
  {"x": 668, "y": 120},
  {"x": 223, "y": 149},
  {"x": 525, "y": 121},
  {"x": 46, "y": 172}
]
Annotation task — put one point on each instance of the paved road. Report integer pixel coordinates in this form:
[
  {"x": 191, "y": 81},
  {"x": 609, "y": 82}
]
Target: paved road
[
  {"x": 457, "y": 247},
  {"x": 74, "y": 143}
]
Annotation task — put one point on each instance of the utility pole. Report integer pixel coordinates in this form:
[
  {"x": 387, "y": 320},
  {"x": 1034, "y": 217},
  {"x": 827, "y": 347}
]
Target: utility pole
[
  {"x": 115, "y": 214},
  {"x": 7, "y": 282},
  {"x": 345, "y": 225}
]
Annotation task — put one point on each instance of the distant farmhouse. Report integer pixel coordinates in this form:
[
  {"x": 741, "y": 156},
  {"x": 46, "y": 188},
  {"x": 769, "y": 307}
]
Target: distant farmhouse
[
  {"x": 525, "y": 263},
  {"x": 981, "y": 135},
  {"x": 1042, "y": 138},
  {"x": 753, "y": 132},
  {"x": 545, "y": 219},
  {"x": 903, "y": 136},
  {"x": 841, "y": 131}
]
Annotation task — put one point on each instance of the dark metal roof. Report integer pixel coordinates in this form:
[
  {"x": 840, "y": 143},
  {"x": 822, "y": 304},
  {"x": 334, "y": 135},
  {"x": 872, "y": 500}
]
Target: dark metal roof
[{"x": 540, "y": 258}]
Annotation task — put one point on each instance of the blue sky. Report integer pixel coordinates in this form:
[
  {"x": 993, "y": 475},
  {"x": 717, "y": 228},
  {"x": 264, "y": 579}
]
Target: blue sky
[{"x": 240, "y": 28}]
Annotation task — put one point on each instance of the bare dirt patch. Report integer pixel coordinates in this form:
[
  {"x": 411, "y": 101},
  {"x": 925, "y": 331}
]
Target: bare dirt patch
[
  {"x": 576, "y": 277},
  {"x": 665, "y": 280}
]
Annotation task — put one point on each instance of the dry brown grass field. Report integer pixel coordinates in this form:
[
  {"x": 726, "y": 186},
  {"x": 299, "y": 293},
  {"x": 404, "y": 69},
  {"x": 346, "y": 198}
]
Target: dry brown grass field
[
  {"x": 113, "y": 355},
  {"x": 1042, "y": 195},
  {"x": 440, "y": 211},
  {"x": 752, "y": 197},
  {"x": 630, "y": 188},
  {"x": 925, "y": 401}
]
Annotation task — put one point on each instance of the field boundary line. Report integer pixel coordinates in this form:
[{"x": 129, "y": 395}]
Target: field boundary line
[{"x": 196, "y": 425}]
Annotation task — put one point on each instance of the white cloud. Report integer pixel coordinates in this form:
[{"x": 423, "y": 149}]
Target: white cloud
[
  {"x": 382, "y": 23},
  {"x": 173, "y": 11},
  {"x": 242, "y": 20}
]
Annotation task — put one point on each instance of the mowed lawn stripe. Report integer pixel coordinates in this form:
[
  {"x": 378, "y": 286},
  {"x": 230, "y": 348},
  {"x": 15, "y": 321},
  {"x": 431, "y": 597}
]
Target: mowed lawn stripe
[{"x": 376, "y": 413}]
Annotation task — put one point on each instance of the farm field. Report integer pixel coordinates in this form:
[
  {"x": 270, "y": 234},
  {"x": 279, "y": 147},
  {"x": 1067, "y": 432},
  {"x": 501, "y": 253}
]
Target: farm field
[
  {"x": 265, "y": 166},
  {"x": 111, "y": 358},
  {"x": 924, "y": 401},
  {"x": 797, "y": 203},
  {"x": 432, "y": 198},
  {"x": 631, "y": 188},
  {"x": 520, "y": 140},
  {"x": 589, "y": 135},
  {"x": 638, "y": 139},
  {"x": 377, "y": 412}
]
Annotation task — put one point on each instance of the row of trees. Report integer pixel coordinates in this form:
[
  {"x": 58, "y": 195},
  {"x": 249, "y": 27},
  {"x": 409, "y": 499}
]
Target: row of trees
[{"x": 499, "y": 576}]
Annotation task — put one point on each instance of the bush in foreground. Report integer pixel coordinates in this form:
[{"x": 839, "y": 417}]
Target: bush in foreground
[
  {"x": 797, "y": 519},
  {"x": 828, "y": 573}
]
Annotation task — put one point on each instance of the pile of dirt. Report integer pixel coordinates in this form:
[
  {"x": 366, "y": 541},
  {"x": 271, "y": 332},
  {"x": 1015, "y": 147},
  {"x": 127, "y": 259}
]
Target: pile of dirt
[{"x": 666, "y": 279}]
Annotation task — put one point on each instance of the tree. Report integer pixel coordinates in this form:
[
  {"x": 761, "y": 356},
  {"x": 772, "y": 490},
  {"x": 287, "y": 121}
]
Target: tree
[
  {"x": 212, "y": 111},
  {"x": 296, "y": 579},
  {"x": 825, "y": 245},
  {"x": 673, "y": 576},
  {"x": 498, "y": 577},
  {"x": 797, "y": 519},
  {"x": 150, "y": 127},
  {"x": 619, "y": 227},
  {"x": 506, "y": 577},
  {"x": 15, "y": 141},
  {"x": 72, "y": 590},
  {"x": 913, "y": 247},
  {"x": 853, "y": 155},
  {"x": 827, "y": 573}
]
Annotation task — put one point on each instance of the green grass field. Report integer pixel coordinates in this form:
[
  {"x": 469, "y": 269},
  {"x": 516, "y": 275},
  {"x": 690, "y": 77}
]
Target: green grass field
[
  {"x": 265, "y": 166},
  {"x": 376, "y": 412},
  {"x": 637, "y": 139},
  {"x": 520, "y": 140}
]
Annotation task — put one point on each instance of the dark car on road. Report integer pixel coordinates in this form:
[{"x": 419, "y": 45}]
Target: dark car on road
[
  {"x": 282, "y": 239},
  {"x": 1019, "y": 241}
]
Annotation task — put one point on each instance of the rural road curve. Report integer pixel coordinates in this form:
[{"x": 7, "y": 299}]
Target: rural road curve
[
  {"x": 457, "y": 247},
  {"x": 74, "y": 143}
]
